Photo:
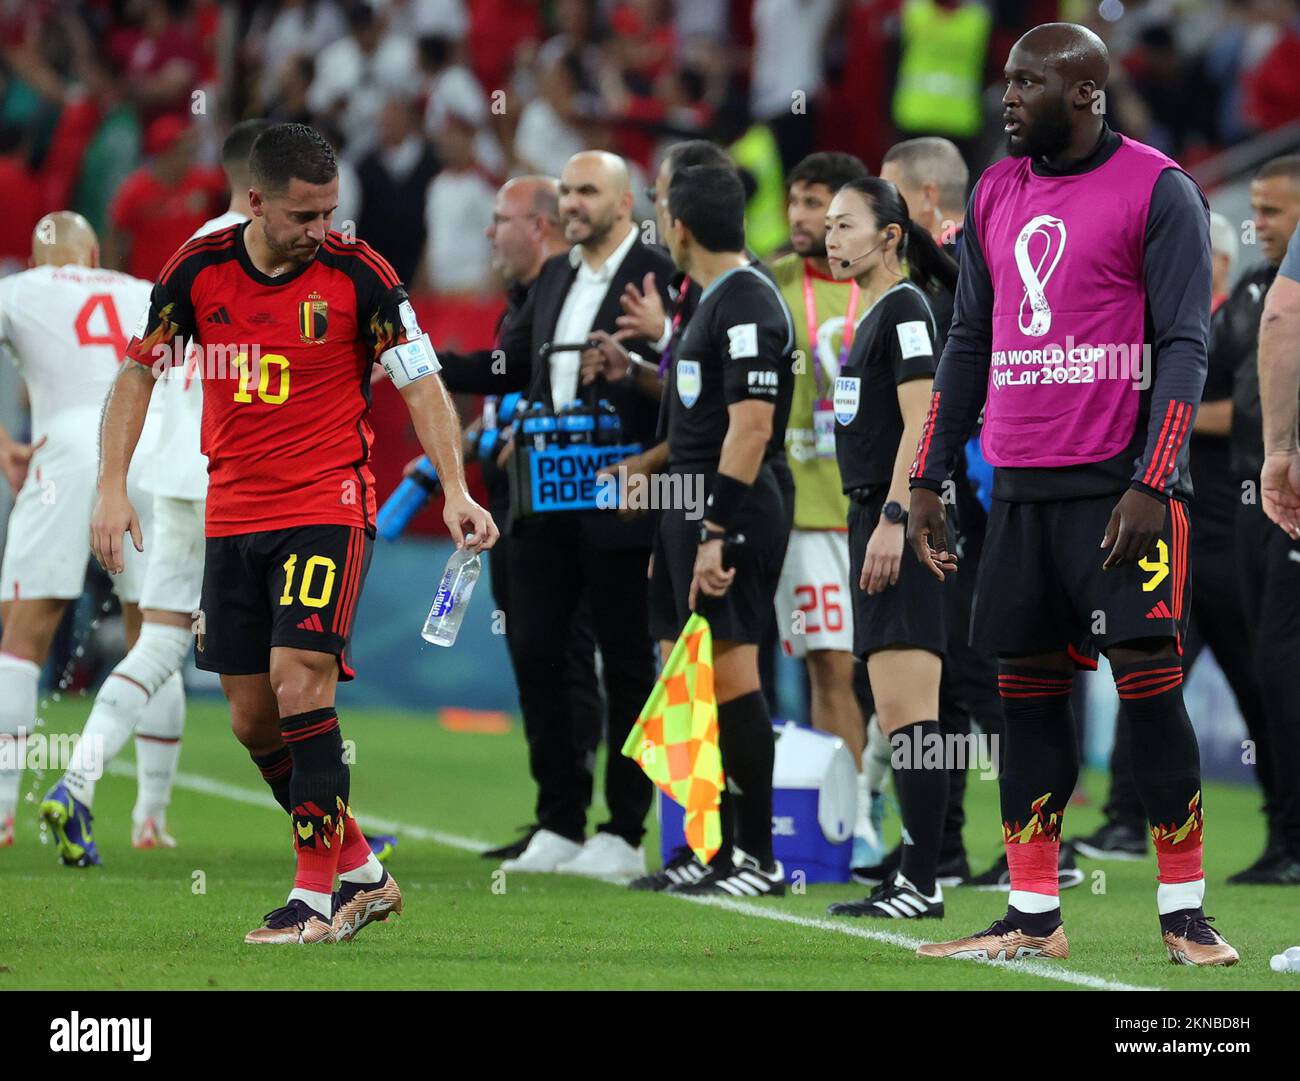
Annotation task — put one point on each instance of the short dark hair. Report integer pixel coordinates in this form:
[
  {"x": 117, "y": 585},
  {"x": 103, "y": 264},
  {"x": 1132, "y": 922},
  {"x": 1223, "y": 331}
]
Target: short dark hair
[
  {"x": 237, "y": 145},
  {"x": 829, "y": 167},
  {"x": 697, "y": 152},
  {"x": 710, "y": 201},
  {"x": 285, "y": 151},
  {"x": 1288, "y": 165}
]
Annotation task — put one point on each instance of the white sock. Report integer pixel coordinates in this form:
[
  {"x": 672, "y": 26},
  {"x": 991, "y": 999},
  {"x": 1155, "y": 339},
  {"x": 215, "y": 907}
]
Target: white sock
[
  {"x": 158, "y": 751},
  {"x": 18, "y": 687},
  {"x": 368, "y": 873},
  {"x": 863, "y": 826},
  {"x": 876, "y": 757},
  {"x": 1176, "y": 896},
  {"x": 1025, "y": 901},
  {"x": 321, "y": 903},
  {"x": 114, "y": 716}
]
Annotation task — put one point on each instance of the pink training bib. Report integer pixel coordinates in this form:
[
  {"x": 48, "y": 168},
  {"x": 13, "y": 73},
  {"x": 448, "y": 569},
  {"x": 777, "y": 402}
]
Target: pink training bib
[{"x": 1069, "y": 359}]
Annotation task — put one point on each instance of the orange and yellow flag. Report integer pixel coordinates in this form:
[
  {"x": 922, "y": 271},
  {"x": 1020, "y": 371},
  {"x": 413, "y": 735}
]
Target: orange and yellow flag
[{"x": 675, "y": 739}]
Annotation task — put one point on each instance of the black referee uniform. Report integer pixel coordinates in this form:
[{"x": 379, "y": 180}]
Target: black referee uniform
[
  {"x": 737, "y": 347},
  {"x": 868, "y": 428}
]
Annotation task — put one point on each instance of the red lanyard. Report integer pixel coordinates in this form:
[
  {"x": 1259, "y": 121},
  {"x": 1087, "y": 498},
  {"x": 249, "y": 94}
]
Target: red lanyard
[
  {"x": 667, "y": 358},
  {"x": 810, "y": 314}
]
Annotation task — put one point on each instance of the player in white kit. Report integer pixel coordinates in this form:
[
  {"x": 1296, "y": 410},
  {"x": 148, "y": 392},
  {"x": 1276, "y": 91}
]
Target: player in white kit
[
  {"x": 66, "y": 323},
  {"x": 177, "y": 479}
]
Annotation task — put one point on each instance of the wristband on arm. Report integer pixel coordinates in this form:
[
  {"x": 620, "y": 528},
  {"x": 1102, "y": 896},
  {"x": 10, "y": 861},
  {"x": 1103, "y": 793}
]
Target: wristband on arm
[{"x": 724, "y": 502}]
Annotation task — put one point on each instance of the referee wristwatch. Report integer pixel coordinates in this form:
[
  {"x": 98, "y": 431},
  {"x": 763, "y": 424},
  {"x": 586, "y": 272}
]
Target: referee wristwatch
[
  {"x": 711, "y": 533},
  {"x": 894, "y": 512}
]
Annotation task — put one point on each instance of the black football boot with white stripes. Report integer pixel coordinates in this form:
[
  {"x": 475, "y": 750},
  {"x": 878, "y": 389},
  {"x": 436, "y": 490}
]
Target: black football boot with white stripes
[
  {"x": 681, "y": 870},
  {"x": 743, "y": 877},
  {"x": 896, "y": 900}
]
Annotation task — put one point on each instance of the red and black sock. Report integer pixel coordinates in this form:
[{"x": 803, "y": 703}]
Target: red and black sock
[
  {"x": 318, "y": 794},
  {"x": 276, "y": 769},
  {"x": 1039, "y": 772},
  {"x": 1166, "y": 763},
  {"x": 921, "y": 784}
]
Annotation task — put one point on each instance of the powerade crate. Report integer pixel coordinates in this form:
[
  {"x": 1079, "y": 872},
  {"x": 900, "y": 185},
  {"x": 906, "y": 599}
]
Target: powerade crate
[
  {"x": 814, "y": 805},
  {"x": 557, "y": 457},
  {"x": 563, "y": 478}
]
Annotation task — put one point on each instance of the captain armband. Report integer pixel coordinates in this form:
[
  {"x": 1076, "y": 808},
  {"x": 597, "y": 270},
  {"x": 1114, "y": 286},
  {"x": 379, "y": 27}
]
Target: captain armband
[{"x": 410, "y": 361}]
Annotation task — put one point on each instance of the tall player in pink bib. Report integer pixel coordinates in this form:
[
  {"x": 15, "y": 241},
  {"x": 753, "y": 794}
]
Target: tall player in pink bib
[{"x": 1080, "y": 329}]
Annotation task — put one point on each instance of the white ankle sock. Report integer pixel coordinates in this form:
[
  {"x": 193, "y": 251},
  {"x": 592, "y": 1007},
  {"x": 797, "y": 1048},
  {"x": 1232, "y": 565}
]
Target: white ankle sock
[
  {"x": 1025, "y": 901},
  {"x": 114, "y": 716},
  {"x": 158, "y": 751},
  {"x": 18, "y": 687},
  {"x": 321, "y": 903},
  {"x": 876, "y": 765},
  {"x": 1176, "y": 896},
  {"x": 368, "y": 873}
]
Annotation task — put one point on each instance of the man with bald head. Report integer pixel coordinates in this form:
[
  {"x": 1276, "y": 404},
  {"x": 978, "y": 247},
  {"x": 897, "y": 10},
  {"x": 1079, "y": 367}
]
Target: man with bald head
[
  {"x": 65, "y": 322},
  {"x": 554, "y": 558},
  {"x": 1080, "y": 330}
]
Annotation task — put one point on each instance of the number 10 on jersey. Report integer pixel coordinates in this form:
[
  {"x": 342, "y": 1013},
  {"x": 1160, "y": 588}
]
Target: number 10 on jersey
[{"x": 267, "y": 364}]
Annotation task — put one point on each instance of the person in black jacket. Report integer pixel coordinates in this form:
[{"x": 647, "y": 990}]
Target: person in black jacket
[
  {"x": 524, "y": 233},
  {"x": 554, "y": 557}
]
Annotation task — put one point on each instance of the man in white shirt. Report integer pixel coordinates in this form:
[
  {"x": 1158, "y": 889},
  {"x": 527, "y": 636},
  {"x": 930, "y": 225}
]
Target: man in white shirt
[{"x": 66, "y": 324}]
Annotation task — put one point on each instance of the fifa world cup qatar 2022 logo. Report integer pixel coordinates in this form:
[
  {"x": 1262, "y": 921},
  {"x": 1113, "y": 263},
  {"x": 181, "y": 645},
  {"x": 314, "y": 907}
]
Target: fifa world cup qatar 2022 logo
[{"x": 1036, "y": 271}]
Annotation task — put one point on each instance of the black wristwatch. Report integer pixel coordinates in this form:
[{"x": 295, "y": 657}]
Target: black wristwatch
[
  {"x": 893, "y": 512},
  {"x": 711, "y": 533}
]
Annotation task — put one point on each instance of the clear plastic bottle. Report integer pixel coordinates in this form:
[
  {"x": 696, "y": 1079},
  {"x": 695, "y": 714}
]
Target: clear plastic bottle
[{"x": 452, "y": 598}]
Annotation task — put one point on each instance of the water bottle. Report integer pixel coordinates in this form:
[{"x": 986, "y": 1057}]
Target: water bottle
[
  {"x": 407, "y": 500},
  {"x": 452, "y": 598},
  {"x": 577, "y": 425},
  {"x": 1286, "y": 962},
  {"x": 538, "y": 425},
  {"x": 609, "y": 425}
]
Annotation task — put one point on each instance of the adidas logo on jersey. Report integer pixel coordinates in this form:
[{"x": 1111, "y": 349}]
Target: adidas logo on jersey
[
  {"x": 1160, "y": 611},
  {"x": 219, "y": 316},
  {"x": 312, "y": 623}
]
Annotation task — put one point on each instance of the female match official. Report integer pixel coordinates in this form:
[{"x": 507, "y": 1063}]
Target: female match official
[{"x": 880, "y": 401}]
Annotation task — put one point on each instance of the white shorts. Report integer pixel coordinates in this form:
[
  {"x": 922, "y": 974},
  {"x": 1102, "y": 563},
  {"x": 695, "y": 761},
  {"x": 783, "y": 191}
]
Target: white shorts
[
  {"x": 814, "y": 606},
  {"x": 47, "y": 546},
  {"x": 173, "y": 576}
]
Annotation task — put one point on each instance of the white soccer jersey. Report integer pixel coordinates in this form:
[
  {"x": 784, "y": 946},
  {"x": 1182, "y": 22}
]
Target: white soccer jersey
[
  {"x": 181, "y": 468},
  {"x": 67, "y": 329}
]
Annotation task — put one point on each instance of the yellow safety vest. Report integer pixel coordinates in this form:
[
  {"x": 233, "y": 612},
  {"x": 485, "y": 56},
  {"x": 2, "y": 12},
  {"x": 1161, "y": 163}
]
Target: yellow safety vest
[
  {"x": 941, "y": 73},
  {"x": 766, "y": 228}
]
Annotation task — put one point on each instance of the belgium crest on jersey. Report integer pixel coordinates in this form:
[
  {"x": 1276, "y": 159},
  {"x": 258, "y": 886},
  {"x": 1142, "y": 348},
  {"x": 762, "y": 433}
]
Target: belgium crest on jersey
[{"x": 313, "y": 319}]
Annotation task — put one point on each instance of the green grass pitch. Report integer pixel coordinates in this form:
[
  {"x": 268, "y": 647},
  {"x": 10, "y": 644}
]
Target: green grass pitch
[{"x": 176, "y": 919}]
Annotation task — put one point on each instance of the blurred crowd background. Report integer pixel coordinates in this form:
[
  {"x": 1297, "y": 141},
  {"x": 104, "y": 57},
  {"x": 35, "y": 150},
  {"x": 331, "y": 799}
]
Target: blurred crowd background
[{"x": 117, "y": 108}]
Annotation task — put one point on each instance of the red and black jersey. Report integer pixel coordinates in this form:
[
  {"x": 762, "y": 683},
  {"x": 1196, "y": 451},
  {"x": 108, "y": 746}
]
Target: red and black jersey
[{"x": 286, "y": 364}]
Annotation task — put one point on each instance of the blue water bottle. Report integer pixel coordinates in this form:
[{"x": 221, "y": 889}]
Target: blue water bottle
[{"x": 408, "y": 500}]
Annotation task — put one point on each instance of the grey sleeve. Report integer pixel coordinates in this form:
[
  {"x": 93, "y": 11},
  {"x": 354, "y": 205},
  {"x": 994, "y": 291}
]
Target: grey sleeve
[
  {"x": 1290, "y": 267},
  {"x": 961, "y": 379},
  {"x": 1176, "y": 273}
]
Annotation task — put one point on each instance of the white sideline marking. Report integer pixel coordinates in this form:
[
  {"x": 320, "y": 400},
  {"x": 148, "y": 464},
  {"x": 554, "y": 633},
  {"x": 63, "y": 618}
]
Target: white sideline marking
[
  {"x": 1046, "y": 969},
  {"x": 192, "y": 782}
]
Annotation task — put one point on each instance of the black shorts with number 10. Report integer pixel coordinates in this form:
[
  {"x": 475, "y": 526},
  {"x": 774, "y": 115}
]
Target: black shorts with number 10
[{"x": 295, "y": 587}]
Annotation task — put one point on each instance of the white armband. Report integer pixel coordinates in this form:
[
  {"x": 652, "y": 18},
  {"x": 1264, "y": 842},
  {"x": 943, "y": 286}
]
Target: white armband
[{"x": 410, "y": 361}]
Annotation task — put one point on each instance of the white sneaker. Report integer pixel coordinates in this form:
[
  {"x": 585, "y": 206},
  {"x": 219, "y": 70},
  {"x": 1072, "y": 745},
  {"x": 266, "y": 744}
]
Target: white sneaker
[
  {"x": 545, "y": 852},
  {"x": 606, "y": 855}
]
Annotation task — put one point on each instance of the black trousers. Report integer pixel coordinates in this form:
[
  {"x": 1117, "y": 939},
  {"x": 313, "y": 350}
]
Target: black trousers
[
  {"x": 1221, "y": 622},
  {"x": 582, "y": 688},
  {"x": 551, "y": 565},
  {"x": 1268, "y": 563}
]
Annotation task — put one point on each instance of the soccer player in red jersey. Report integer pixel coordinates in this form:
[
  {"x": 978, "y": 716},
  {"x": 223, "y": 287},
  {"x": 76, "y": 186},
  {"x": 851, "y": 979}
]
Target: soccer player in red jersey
[{"x": 289, "y": 318}]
